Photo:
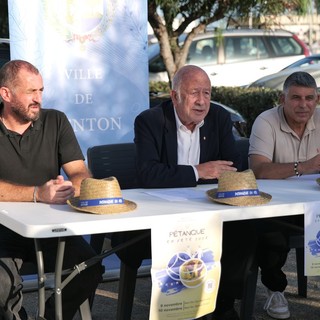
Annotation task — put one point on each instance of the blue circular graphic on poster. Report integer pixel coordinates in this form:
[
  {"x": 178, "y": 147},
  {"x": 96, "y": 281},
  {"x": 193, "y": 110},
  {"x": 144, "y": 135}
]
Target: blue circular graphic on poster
[{"x": 174, "y": 264}]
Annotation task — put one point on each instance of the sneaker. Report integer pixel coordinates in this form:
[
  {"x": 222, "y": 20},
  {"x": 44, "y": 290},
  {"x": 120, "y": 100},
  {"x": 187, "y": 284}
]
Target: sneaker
[{"x": 277, "y": 305}]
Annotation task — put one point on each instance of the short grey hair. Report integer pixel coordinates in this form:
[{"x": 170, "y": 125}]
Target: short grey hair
[
  {"x": 10, "y": 70},
  {"x": 300, "y": 79}
]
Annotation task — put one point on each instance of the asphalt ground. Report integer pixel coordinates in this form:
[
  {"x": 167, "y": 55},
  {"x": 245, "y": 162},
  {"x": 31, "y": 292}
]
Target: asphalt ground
[{"x": 105, "y": 302}]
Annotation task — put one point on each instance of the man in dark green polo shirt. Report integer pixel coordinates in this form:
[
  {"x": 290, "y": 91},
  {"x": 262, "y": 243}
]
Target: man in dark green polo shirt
[{"x": 34, "y": 145}]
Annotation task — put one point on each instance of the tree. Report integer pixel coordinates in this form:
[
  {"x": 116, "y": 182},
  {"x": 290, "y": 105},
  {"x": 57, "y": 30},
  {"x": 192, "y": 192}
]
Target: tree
[{"x": 164, "y": 14}]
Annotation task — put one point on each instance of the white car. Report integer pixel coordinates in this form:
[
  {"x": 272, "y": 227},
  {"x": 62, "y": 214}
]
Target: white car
[{"x": 236, "y": 57}]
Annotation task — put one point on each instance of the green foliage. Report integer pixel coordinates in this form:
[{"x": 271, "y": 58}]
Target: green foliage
[
  {"x": 159, "y": 86},
  {"x": 249, "y": 102}
]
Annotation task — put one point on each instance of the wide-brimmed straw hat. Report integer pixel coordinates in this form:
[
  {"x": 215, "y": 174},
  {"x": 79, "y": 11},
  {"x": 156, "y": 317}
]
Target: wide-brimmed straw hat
[
  {"x": 101, "y": 196},
  {"x": 238, "y": 189}
]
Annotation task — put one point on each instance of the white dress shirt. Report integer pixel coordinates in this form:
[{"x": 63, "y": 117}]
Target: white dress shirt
[{"x": 188, "y": 144}]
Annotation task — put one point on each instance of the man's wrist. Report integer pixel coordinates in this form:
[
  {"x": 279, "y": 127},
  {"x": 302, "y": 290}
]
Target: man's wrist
[
  {"x": 196, "y": 173},
  {"x": 296, "y": 169},
  {"x": 35, "y": 194}
]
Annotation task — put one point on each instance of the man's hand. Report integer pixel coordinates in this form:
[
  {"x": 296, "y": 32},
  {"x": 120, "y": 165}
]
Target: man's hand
[
  {"x": 310, "y": 166},
  {"x": 56, "y": 191},
  {"x": 213, "y": 169}
]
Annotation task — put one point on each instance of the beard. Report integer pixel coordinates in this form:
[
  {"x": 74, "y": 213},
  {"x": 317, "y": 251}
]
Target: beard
[{"x": 25, "y": 115}]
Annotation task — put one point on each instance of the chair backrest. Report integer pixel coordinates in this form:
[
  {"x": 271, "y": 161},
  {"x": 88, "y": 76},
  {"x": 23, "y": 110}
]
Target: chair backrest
[
  {"x": 242, "y": 145},
  {"x": 116, "y": 160}
]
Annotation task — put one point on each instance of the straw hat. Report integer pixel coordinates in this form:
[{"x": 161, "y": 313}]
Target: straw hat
[
  {"x": 238, "y": 189},
  {"x": 101, "y": 196}
]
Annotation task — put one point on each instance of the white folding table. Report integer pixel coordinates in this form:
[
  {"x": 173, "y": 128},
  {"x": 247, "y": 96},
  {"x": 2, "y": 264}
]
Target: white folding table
[{"x": 38, "y": 220}]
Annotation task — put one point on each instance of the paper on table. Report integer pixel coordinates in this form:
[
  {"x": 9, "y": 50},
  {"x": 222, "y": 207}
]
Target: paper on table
[{"x": 177, "y": 194}]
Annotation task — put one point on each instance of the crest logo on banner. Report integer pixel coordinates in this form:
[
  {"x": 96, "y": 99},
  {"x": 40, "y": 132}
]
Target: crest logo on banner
[
  {"x": 80, "y": 21},
  {"x": 93, "y": 56}
]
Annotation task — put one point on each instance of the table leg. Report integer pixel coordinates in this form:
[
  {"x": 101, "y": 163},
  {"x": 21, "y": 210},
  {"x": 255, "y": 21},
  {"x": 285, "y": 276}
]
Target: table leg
[
  {"x": 58, "y": 275},
  {"x": 41, "y": 278},
  {"x": 58, "y": 281}
]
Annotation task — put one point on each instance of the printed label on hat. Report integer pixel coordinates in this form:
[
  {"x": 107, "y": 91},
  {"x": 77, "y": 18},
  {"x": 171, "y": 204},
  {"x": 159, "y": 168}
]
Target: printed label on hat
[
  {"x": 100, "y": 202},
  {"x": 238, "y": 193}
]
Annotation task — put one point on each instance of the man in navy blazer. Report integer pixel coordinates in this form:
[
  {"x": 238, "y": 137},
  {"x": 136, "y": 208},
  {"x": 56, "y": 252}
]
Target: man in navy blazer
[
  {"x": 157, "y": 147},
  {"x": 183, "y": 142}
]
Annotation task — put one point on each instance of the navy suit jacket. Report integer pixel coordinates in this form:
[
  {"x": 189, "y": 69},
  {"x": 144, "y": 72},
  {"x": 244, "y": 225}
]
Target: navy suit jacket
[{"x": 156, "y": 146}]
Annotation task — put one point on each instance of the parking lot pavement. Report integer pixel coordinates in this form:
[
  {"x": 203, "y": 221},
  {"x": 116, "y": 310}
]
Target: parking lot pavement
[{"x": 105, "y": 302}]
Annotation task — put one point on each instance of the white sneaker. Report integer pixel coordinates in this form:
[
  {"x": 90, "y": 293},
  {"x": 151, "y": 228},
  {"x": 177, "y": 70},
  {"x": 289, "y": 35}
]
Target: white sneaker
[{"x": 277, "y": 305}]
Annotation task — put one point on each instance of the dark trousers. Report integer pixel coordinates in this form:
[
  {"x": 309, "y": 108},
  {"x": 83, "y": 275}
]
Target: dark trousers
[
  {"x": 15, "y": 249},
  {"x": 134, "y": 254},
  {"x": 238, "y": 250},
  {"x": 272, "y": 252}
]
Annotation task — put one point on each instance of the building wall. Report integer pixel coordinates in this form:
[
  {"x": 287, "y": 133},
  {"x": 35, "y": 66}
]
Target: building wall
[{"x": 307, "y": 28}]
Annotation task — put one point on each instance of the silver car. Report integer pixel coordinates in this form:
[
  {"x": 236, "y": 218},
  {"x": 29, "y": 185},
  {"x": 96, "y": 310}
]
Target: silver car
[{"x": 276, "y": 80}]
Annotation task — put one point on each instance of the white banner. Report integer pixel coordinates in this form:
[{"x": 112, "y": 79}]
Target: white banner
[
  {"x": 312, "y": 238},
  {"x": 93, "y": 57},
  {"x": 185, "y": 266}
]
